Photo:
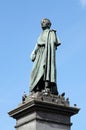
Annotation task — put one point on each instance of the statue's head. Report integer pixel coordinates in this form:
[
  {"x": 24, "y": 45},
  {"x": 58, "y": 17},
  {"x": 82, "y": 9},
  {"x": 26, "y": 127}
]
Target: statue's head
[{"x": 45, "y": 23}]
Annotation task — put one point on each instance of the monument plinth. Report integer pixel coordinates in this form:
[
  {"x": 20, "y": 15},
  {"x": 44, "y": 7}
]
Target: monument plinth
[
  {"x": 44, "y": 108},
  {"x": 41, "y": 111}
]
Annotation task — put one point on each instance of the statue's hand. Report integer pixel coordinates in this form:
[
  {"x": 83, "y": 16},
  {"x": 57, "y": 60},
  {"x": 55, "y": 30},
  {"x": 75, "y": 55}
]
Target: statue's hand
[{"x": 33, "y": 56}]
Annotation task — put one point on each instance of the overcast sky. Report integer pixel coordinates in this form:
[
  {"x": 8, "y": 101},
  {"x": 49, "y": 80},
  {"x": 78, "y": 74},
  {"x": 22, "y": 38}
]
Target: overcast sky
[{"x": 19, "y": 30}]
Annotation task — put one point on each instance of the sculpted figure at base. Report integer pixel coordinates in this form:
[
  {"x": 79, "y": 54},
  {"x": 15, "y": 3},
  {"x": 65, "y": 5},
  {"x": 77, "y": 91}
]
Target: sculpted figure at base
[{"x": 43, "y": 74}]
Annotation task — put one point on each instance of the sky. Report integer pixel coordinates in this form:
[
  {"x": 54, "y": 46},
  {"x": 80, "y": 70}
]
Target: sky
[{"x": 19, "y": 30}]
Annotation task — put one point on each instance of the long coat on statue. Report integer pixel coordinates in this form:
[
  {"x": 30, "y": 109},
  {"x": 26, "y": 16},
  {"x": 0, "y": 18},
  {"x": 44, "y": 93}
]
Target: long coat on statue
[{"x": 44, "y": 61}]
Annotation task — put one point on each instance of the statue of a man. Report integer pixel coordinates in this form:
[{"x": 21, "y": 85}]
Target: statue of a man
[{"x": 43, "y": 74}]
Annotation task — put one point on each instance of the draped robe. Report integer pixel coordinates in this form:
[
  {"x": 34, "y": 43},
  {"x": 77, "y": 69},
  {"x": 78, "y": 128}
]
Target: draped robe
[{"x": 45, "y": 58}]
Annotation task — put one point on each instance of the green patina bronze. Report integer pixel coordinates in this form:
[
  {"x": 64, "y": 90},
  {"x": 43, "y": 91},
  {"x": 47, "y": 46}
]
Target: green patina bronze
[{"x": 43, "y": 74}]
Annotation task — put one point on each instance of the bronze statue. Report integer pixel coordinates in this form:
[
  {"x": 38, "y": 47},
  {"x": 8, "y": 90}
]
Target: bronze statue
[{"x": 43, "y": 76}]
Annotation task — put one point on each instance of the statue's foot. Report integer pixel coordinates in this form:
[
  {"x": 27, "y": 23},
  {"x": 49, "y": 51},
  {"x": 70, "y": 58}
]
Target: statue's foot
[{"x": 46, "y": 91}]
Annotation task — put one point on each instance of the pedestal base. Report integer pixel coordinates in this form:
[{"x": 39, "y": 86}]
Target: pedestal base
[{"x": 42, "y": 111}]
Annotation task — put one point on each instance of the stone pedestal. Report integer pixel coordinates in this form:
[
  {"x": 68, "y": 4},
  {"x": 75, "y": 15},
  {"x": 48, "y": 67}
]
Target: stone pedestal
[{"x": 42, "y": 111}]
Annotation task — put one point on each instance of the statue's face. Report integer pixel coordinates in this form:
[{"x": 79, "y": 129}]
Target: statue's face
[{"x": 45, "y": 23}]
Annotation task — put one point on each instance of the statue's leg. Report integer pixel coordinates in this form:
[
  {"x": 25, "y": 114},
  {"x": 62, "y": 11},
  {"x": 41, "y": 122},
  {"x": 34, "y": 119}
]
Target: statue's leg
[
  {"x": 54, "y": 88},
  {"x": 40, "y": 85},
  {"x": 47, "y": 86}
]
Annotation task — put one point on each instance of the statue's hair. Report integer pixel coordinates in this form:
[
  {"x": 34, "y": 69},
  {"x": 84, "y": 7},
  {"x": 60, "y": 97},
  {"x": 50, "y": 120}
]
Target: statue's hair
[{"x": 48, "y": 23}]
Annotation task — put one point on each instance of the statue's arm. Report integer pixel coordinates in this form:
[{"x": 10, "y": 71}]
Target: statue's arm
[
  {"x": 34, "y": 52},
  {"x": 55, "y": 38},
  {"x": 57, "y": 41}
]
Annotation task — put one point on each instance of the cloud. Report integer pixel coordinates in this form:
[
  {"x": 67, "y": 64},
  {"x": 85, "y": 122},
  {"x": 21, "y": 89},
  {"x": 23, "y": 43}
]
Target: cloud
[{"x": 83, "y": 3}]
